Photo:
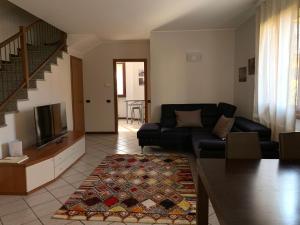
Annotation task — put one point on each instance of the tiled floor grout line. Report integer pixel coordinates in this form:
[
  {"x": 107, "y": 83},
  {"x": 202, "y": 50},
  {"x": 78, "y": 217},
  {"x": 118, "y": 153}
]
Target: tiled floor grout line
[
  {"x": 33, "y": 213},
  {"x": 52, "y": 213},
  {"x": 15, "y": 211}
]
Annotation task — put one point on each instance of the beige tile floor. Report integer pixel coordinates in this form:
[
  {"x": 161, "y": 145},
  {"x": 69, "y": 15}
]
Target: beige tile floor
[{"x": 38, "y": 207}]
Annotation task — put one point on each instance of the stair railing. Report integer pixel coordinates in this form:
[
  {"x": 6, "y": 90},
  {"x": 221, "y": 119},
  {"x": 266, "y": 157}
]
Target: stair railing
[{"x": 44, "y": 41}]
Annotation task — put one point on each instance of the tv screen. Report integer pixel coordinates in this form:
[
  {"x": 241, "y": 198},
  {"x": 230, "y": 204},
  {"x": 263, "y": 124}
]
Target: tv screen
[{"x": 50, "y": 122}]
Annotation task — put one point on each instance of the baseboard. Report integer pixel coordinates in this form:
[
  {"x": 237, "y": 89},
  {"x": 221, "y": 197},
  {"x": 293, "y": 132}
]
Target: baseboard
[
  {"x": 101, "y": 132},
  {"x": 124, "y": 118}
]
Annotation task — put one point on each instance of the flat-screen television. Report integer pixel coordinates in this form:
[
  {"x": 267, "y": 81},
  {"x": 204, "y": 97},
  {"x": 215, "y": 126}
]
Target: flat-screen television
[{"x": 50, "y": 122}]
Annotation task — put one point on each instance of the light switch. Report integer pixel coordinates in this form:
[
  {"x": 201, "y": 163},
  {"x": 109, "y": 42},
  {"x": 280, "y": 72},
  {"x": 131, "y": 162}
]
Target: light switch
[{"x": 193, "y": 57}]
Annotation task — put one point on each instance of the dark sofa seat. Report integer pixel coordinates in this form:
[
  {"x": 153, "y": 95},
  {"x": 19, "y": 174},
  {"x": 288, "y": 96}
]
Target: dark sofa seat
[
  {"x": 207, "y": 145},
  {"x": 201, "y": 139},
  {"x": 166, "y": 134},
  {"x": 245, "y": 125},
  {"x": 210, "y": 146}
]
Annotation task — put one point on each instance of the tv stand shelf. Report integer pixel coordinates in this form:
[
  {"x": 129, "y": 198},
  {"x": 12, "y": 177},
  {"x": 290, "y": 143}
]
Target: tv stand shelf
[{"x": 44, "y": 165}]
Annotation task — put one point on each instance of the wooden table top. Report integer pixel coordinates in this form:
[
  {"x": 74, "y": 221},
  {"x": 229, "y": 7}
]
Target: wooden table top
[{"x": 252, "y": 192}]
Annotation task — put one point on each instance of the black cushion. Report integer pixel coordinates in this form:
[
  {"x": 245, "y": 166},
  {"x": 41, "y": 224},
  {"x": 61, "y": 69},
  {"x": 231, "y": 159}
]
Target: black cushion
[
  {"x": 208, "y": 141},
  {"x": 269, "y": 146},
  {"x": 209, "y": 113},
  {"x": 200, "y": 130},
  {"x": 245, "y": 125},
  {"x": 206, "y": 145},
  {"x": 226, "y": 109},
  {"x": 149, "y": 130},
  {"x": 175, "y": 133}
]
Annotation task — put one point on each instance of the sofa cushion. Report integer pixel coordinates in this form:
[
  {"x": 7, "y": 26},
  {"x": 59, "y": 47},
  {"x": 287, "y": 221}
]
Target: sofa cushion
[
  {"x": 242, "y": 124},
  {"x": 149, "y": 130},
  {"x": 226, "y": 109},
  {"x": 207, "y": 141},
  {"x": 269, "y": 146},
  {"x": 223, "y": 127},
  {"x": 188, "y": 118},
  {"x": 209, "y": 113},
  {"x": 175, "y": 133},
  {"x": 207, "y": 145},
  {"x": 200, "y": 130}
]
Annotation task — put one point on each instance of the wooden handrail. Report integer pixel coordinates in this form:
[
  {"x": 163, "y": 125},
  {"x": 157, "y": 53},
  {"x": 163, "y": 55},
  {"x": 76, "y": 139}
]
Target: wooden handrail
[
  {"x": 23, "y": 84},
  {"x": 22, "y": 36},
  {"x": 46, "y": 60},
  {"x": 24, "y": 55},
  {"x": 32, "y": 24},
  {"x": 15, "y": 36}
]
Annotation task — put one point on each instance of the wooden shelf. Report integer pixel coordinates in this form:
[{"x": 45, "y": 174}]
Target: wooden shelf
[
  {"x": 15, "y": 178},
  {"x": 37, "y": 155}
]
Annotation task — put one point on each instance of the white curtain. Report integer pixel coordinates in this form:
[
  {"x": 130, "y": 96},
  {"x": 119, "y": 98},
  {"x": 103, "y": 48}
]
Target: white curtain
[{"x": 277, "y": 71}]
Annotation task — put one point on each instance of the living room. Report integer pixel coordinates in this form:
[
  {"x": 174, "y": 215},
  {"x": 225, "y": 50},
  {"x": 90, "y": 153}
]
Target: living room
[{"x": 215, "y": 119}]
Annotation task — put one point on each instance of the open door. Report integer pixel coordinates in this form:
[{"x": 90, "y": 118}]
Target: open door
[
  {"x": 77, "y": 94},
  {"x": 132, "y": 72}
]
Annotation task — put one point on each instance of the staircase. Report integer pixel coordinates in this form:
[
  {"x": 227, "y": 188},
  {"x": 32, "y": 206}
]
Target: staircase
[{"x": 24, "y": 58}]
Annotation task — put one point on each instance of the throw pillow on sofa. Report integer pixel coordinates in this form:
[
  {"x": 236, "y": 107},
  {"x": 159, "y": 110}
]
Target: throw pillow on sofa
[
  {"x": 223, "y": 127},
  {"x": 188, "y": 118}
]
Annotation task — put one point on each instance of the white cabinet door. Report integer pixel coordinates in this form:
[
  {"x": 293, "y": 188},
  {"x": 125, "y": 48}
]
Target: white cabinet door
[
  {"x": 39, "y": 174},
  {"x": 65, "y": 159}
]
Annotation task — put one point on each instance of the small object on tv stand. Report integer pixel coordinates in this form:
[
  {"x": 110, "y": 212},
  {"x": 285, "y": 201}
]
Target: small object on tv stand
[
  {"x": 1, "y": 151},
  {"x": 59, "y": 140},
  {"x": 15, "y": 148}
]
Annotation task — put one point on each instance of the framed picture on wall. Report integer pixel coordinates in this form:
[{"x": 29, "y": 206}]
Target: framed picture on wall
[
  {"x": 243, "y": 74},
  {"x": 251, "y": 66},
  {"x": 141, "y": 81}
]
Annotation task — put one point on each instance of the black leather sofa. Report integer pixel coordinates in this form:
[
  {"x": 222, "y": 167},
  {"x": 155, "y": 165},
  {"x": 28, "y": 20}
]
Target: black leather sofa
[{"x": 201, "y": 140}]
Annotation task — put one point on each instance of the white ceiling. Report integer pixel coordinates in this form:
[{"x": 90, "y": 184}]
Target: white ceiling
[{"x": 135, "y": 19}]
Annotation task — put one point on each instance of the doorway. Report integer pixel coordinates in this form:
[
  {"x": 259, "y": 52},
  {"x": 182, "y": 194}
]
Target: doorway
[{"x": 130, "y": 93}]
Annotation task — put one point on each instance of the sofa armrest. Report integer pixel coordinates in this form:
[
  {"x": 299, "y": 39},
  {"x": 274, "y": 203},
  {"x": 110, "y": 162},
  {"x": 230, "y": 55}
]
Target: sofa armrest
[
  {"x": 149, "y": 130},
  {"x": 245, "y": 125}
]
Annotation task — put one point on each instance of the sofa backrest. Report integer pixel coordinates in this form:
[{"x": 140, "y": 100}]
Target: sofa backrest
[
  {"x": 226, "y": 109},
  {"x": 209, "y": 113},
  {"x": 242, "y": 124}
]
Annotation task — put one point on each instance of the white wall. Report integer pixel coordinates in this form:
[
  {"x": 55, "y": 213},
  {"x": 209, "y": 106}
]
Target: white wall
[
  {"x": 98, "y": 81},
  {"x": 173, "y": 80},
  {"x": 244, "y": 50},
  {"x": 11, "y": 17},
  {"x": 55, "y": 88},
  {"x": 133, "y": 90}
]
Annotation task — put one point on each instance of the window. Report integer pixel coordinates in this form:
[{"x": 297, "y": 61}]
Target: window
[
  {"x": 297, "y": 67},
  {"x": 277, "y": 78},
  {"x": 121, "y": 80}
]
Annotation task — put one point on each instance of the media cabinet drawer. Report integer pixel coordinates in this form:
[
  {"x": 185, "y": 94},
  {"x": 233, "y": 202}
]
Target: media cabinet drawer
[
  {"x": 67, "y": 163},
  {"x": 63, "y": 156},
  {"x": 68, "y": 159},
  {"x": 39, "y": 174},
  {"x": 63, "y": 166}
]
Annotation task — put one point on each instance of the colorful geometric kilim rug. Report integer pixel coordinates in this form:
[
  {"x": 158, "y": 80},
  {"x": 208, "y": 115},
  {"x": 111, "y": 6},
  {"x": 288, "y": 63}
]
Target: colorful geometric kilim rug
[{"x": 153, "y": 188}]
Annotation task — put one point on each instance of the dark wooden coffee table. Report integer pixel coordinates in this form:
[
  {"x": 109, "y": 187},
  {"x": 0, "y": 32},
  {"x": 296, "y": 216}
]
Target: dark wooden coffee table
[{"x": 249, "y": 192}]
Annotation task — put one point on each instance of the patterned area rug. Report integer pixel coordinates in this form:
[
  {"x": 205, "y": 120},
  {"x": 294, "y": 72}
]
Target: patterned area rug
[{"x": 136, "y": 188}]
